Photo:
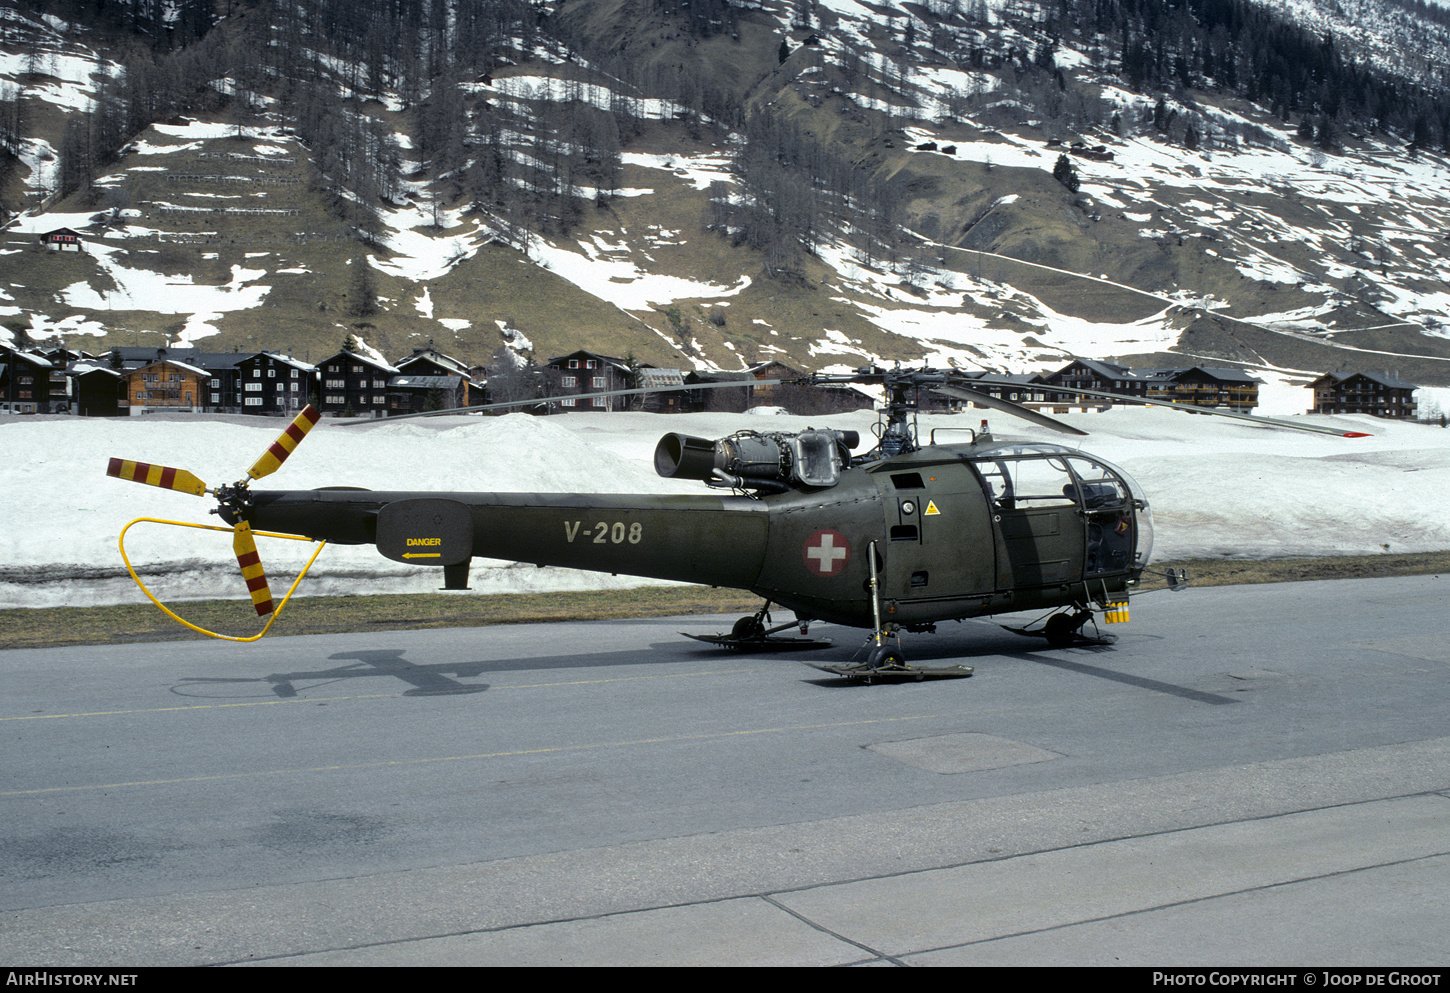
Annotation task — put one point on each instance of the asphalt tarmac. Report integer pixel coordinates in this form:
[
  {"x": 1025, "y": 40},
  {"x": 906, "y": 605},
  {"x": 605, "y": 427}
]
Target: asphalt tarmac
[{"x": 1254, "y": 775}]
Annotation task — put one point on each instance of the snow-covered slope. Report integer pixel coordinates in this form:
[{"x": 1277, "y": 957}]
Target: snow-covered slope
[{"x": 1323, "y": 260}]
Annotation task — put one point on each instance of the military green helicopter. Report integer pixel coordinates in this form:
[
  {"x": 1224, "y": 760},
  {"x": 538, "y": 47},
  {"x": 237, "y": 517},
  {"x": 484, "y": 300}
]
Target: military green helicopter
[{"x": 902, "y": 537}]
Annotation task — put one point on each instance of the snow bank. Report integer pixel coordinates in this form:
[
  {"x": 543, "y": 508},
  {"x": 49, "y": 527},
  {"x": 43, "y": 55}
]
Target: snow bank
[{"x": 1217, "y": 488}]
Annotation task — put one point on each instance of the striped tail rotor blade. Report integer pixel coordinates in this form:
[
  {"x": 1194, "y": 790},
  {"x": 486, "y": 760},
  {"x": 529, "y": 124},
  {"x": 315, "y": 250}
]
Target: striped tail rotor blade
[
  {"x": 156, "y": 475},
  {"x": 246, "y": 548},
  {"x": 288, "y": 441}
]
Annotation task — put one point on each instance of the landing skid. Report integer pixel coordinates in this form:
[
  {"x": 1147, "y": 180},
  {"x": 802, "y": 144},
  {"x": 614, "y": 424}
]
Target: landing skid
[
  {"x": 894, "y": 673},
  {"x": 760, "y": 644},
  {"x": 751, "y": 635}
]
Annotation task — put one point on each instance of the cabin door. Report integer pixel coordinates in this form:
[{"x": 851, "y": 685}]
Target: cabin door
[{"x": 1037, "y": 516}]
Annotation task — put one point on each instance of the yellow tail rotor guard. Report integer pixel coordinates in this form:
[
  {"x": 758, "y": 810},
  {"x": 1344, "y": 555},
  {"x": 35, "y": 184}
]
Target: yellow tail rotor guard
[{"x": 212, "y": 527}]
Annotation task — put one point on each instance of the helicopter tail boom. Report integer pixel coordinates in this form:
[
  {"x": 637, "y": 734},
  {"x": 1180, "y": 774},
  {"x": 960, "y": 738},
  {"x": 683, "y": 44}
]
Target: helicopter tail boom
[{"x": 721, "y": 541}]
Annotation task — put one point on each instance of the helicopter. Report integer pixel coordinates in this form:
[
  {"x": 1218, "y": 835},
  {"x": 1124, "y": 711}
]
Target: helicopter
[{"x": 901, "y": 537}]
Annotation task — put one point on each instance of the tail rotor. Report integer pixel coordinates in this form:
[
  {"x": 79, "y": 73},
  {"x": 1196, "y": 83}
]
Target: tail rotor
[{"x": 234, "y": 501}]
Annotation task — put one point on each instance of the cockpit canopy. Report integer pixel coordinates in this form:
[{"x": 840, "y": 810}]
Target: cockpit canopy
[{"x": 1029, "y": 476}]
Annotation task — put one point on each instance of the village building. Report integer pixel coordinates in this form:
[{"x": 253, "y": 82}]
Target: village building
[
  {"x": 1094, "y": 374},
  {"x": 167, "y": 384},
  {"x": 672, "y": 401},
  {"x": 1206, "y": 386},
  {"x": 1379, "y": 394},
  {"x": 355, "y": 384},
  {"x": 1028, "y": 389},
  {"x": 222, "y": 391},
  {"x": 62, "y": 239},
  {"x": 273, "y": 383},
  {"x": 31, "y": 383},
  {"x": 420, "y": 394},
  {"x": 99, "y": 390},
  {"x": 431, "y": 362},
  {"x": 806, "y": 399},
  {"x": 733, "y": 399},
  {"x": 769, "y": 395},
  {"x": 585, "y": 372}
]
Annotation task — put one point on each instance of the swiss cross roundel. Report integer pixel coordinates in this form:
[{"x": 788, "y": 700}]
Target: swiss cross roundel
[{"x": 826, "y": 552}]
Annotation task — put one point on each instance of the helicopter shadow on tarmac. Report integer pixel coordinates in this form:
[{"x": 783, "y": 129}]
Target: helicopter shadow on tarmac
[
  {"x": 977, "y": 641},
  {"x": 424, "y": 679}
]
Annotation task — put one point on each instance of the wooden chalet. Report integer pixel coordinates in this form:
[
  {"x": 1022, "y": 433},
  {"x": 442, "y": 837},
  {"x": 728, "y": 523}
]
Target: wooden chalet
[
  {"x": 769, "y": 396},
  {"x": 273, "y": 383},
  {"x": 1028, "y": 389},
  {"x": 1205, "y": 386},
  {"x": 167, "y": 384},
  {"x": 62, "y": 240},
  {"x": 355, "y": 384},
  {"x": 1379, "y": 394},
  {"x": 408, "y": 394},
  {"x": 806, "y": 399},
  {"x": 1093, "y": 374},
  {"x": 734, "y": 399},
  {"x": 588, "y": 372},
  {"x": 99, "y": 390},
  {"x": 31, "y": 383},
  {"x": 431, "y": 362},
  {"x": 671, "y": 401}
]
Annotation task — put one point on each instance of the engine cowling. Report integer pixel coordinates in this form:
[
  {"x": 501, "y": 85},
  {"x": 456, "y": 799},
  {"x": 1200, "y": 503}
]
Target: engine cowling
[{"x": 772, "y": 461}]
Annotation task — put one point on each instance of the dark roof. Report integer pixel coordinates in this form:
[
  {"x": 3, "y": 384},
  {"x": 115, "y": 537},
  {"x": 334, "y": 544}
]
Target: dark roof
[
  {"x": 661, "y": 377},
  {"x": 593, "y": 355},
  {"x": 296, "y": 363},
  {"x": 1108, "y": 370},
  {"x": 431, "y": 354},
  {"x": 134, "y": 358},
  {"x": 759, "y": 368},
  {"x": 1223, "y": 375},
  {"x": 360, "y": 357},
  {"x": 169, "y": 360},
  {"x": 1385, "y": 379},
  {"x": 30, "y": 357},
  {"x": 1226, "y": 375}
]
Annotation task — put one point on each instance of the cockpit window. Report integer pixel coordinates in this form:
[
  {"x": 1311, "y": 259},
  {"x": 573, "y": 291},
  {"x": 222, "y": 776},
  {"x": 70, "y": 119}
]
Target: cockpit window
[
  {"x": 1098, "y": 486},
  {"x": 1043, "y": 483},
  {"x": 1106, "y": 502},
  {"x": 1023, "y": 483}
]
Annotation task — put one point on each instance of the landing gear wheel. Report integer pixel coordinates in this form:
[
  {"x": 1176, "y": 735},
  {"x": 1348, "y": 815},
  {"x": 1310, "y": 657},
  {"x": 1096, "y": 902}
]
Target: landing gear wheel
[
  {"x": 748, "y": 629},
  {"x": 885, "y": 658},
  {"x": 1061, "y": 629}
]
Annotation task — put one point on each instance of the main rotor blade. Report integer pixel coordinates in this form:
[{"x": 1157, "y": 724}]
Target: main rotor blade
[
  {"x": 1016, "y": 409},
  {"x": 285, "y": 444},
  {"x": 156, "y": 475},
  {"x": 1190, "y": 408},
  {"x": 534, "y": 401},
  {"x": 246, "y": 548}
]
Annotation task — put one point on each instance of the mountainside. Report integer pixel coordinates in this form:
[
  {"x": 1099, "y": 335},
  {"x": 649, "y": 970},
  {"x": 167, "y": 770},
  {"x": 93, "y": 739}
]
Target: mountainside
[{"x": 718, "y": 184}]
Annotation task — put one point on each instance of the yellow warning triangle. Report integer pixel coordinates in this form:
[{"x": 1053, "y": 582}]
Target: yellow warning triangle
[{"x": 930, "y": 509}]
